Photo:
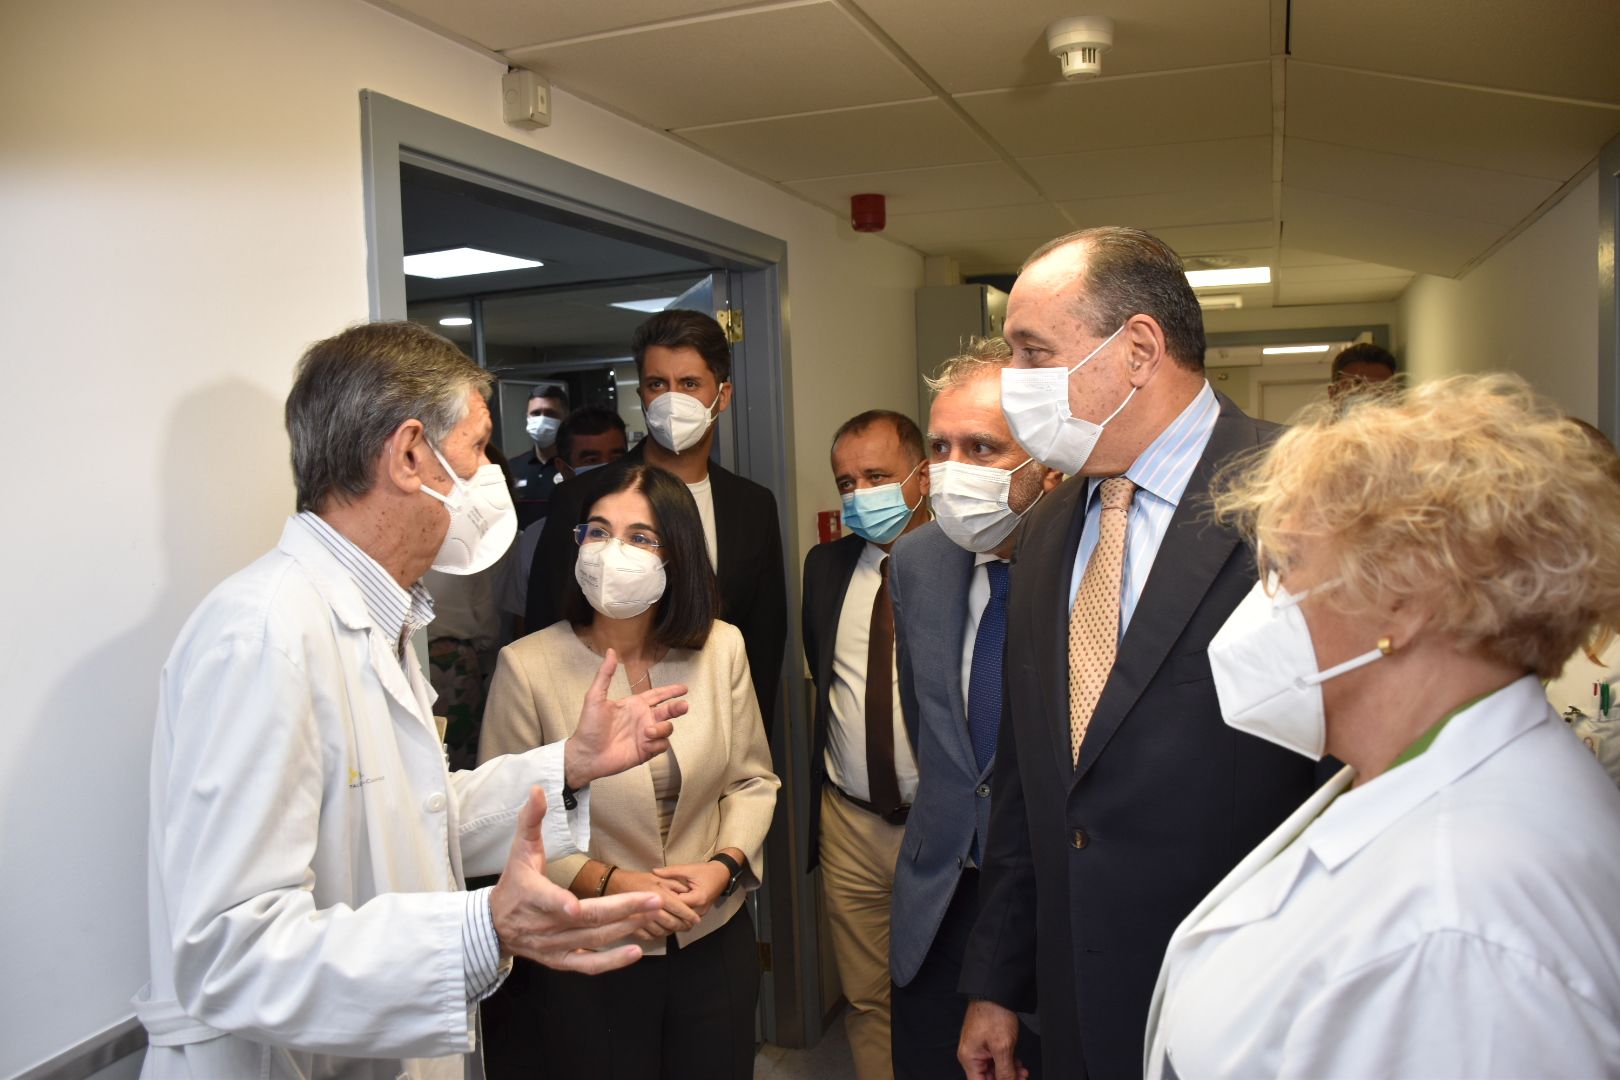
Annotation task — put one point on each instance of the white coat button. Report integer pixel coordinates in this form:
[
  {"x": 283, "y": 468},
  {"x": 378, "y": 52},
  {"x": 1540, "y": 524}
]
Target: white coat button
[{"x": 435, "y": 803}]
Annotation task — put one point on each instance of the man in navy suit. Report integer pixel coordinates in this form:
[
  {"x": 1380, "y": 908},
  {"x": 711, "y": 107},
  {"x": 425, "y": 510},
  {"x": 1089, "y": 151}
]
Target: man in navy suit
[{"x": 949, "y": 588}]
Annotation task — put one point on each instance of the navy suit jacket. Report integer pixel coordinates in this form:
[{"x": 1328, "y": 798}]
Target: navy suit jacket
[
  {"x": 929, "y": 583},
  {"x": 1100, "y": 862},
  {"x": 828, "y": 568}
]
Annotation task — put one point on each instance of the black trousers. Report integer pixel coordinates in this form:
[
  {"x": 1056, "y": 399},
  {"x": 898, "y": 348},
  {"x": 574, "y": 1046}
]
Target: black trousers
[
  {"x": 927, "y": 1012},
  {"x": 687, "y": 1015}
]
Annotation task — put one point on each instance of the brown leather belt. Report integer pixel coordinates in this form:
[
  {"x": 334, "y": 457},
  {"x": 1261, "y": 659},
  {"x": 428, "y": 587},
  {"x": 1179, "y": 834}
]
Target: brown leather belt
[{"x": 893, "y": 817}]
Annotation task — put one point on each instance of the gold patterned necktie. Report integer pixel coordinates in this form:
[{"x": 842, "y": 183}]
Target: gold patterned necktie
[{"x": 1094, "y": 622}]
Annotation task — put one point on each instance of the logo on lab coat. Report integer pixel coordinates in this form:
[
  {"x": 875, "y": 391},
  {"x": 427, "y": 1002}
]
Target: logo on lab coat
[{"x": 357, "y": 780}]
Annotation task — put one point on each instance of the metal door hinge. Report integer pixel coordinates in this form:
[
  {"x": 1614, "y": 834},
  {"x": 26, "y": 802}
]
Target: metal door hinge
[{"x": 731, "y": 322}]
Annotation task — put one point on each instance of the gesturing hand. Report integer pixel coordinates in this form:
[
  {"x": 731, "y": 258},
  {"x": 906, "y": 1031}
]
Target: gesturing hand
[
  {"x": 548, "y": 924},
  {"x": 613, "y": 736}
]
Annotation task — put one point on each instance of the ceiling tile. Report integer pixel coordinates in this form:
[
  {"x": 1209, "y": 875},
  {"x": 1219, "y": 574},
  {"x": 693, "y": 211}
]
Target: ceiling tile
[
  {"x": 1471, "y": 128},
  {"x": 1174, "y": 208},
  {"x": 1300, "y": 257},
  {"x": 1214, "y": 239},
  {"x": 1140, "y": 170},
  {"x": 943, "y": 233},
  {"x": 508, "y": 24},
  {"x": 1412, "y": 240},
  {"x": 1008, "y": 47},
  {"x": 1416, "y": 183},
  {"x": 1148, "y": 110},
  {"x": 1562, "y": 47},
  {"x": 922, "y": 191},
  {"x": 876, "y": 139},
  {"x": 997, "y": 256},
  {"x": 763, "y": 62},
  {"x": 1371, "y": 290},
  {"x": 1344, "y": 270}
]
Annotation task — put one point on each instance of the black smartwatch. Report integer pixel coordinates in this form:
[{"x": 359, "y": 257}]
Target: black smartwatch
[{"x": 732, "y": 865}]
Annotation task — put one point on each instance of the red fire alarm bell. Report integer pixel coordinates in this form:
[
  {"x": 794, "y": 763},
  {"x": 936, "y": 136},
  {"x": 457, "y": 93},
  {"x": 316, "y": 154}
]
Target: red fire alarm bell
[
  {"x": 866, "y": 213},
  {"x": 829, "y": 526}
]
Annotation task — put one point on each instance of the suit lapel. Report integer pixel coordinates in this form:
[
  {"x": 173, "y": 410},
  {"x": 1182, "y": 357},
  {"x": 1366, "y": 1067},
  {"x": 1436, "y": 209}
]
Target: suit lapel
[
  {"x": 1047, "y": 553},
  {"x": 848, "y": 555},
  {"x": 1192, "y": 554},
  {"x": 955, "y": 582}
]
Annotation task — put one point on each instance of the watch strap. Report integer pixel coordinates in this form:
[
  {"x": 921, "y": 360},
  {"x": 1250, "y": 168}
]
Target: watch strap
[{"x": 732, "y": 866}]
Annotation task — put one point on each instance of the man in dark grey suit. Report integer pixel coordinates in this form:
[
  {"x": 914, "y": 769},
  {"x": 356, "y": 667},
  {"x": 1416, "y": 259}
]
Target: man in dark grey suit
[{"x": 949, "y": 588}]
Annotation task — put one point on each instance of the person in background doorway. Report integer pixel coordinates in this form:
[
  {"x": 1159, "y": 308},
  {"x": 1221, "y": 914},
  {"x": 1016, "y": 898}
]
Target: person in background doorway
[
  {"x": 1119, "y": 797},
  {"x": 949, "y": 587},
  {"x": 537, "y": 472},
  {"x": 863, "y": 774},
  {"x": 683, "y": 362},
  {"x": 1360, "y": 366},
  {"x": 689, "y": 826},
  {"x": 590, "y": 438},
  {"x": 1445, "y": 906},
  {"x": 308, "y": 848}
]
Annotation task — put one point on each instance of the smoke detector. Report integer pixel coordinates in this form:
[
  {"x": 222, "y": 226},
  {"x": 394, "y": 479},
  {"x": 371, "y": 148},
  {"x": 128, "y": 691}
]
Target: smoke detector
[{"x": 1079, "y": 43}]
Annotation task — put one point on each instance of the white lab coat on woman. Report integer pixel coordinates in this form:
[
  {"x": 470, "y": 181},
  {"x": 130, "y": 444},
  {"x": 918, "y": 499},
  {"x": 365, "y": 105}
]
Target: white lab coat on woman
[
  {"x": 1456, "y": 916},
  {"x": 308, "y": 843}
]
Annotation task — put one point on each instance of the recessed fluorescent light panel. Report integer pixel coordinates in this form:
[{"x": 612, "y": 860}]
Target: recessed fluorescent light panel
[
  {"x": 463, "y": 262},
  {"x": 646, "y": 306},
  {"x": 1221, "y": 301},
  {"x": 1237, "y": 275},
  {"x": 1289, "y": 350},
  {"x": 455, "y": 320}
]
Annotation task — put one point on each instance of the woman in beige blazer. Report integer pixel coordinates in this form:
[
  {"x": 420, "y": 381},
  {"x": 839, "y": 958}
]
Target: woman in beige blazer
[{"x": 690, "y": 824}]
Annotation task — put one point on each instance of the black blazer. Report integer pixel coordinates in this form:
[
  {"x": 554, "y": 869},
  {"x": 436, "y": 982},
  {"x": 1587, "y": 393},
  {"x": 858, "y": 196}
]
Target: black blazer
[
  {"x": 827, "y": 570},
  {"x": 748, "y": 549},
  {"x": 1100, "y": 863}
]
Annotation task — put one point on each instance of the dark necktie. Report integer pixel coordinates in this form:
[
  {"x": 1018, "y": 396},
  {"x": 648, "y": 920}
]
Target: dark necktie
[
  {"x": 984, "y": 678},
  {"x": 883, "y": 788}
]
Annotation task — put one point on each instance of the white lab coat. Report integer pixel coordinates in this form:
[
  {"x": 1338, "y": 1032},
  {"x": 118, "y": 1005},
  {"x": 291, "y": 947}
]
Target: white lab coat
[
  {"x": 308, "y": 844},
  {"x": 1457, "y": 916}
]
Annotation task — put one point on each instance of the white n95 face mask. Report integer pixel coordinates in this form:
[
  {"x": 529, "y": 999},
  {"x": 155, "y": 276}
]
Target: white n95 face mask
[
  {"x": 971, "y": 503},
  {"x": 482, "y": 520},
  {"x": 1266, "y": 677},
  {"x": 542, "y": 429},
  {"x": 1035, "y": 402},
  {"x": 619, "y": 580},
  {"x": 679, "y": 420}
]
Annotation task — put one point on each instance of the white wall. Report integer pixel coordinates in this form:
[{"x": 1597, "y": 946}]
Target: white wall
[
  {"x": 181, "y": 186},
  {"x": 1531, "y": 308}
]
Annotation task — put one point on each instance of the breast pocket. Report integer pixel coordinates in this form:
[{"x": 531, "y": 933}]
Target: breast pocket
[{"x": 1189, "y": 667}]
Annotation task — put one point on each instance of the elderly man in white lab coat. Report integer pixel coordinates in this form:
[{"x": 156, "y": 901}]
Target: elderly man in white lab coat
[{"x": 308, "y": 846}]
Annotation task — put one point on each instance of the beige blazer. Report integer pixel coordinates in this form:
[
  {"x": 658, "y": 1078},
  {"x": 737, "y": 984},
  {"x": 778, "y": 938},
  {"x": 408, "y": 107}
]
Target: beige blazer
[{"x": 728, "y": 792}]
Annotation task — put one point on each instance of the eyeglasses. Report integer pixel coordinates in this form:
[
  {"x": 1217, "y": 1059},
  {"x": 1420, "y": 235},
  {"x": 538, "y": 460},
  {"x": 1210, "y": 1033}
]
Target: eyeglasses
[{"x": 593, "y": 533}]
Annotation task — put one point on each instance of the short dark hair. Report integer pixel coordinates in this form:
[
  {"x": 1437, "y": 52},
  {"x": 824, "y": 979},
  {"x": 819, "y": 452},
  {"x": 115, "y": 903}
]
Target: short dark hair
[
  {"x": 691, "y": 601},
  {"x": 1131, "y": 272},
  {"x": 552, "y": 391},
  {"x": 587, "y": 420},
  {"x": 678, "y": 328},
  {"x": 904, "y": 427},
  {"x": 351, "y": 392},
  {"x": 1364, "y": 353}
]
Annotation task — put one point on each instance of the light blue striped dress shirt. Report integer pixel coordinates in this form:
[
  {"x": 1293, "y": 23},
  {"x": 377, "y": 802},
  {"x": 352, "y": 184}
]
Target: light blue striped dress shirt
[
  {"x": 1160, "y": 474},
  {"x": 399, "y": 614}
]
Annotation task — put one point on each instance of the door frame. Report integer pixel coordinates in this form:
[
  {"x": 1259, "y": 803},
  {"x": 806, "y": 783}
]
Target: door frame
[{"x": 394, "y": 133}]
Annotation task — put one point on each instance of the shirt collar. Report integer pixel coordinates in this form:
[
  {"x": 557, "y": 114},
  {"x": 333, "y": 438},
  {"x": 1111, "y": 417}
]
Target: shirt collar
[
  {"x": 1361, "y": 814},
  {"x": 1166, "y": 466},
  {"x": 983, "y": 558},
  {"x": 396, "y": 611}
]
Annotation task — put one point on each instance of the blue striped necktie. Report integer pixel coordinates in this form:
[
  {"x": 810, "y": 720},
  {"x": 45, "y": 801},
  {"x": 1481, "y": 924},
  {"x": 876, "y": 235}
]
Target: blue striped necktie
[{"x": 984, "y": 679}]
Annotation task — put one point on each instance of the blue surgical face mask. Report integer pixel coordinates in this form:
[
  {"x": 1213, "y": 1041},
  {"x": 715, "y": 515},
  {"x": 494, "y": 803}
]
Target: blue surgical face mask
[{"x": 879, "y": 514}]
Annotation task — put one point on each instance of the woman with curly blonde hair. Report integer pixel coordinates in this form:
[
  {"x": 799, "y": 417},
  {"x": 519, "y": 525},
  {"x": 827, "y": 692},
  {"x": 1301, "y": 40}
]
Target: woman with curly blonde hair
[{"x": 1449, "y": 904}]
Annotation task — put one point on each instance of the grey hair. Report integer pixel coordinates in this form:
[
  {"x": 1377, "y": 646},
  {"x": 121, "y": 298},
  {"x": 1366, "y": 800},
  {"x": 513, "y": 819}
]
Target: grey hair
[
  {"x": 351, "y": 392},
  {"x": 979, "y": 358}
]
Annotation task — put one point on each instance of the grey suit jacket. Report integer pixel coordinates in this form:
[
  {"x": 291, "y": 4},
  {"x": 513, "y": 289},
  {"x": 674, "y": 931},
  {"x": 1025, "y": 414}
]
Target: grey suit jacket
[{"x": 929, "y": 583}]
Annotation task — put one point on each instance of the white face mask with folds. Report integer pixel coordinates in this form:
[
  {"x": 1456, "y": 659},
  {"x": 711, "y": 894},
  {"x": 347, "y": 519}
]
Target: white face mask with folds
[
  {"x": 482, "y": 520},
  {"x": 678, "y": 421},
  {"x": 971, "y": 503},
  {"x": 1035, "y": 402},
  {"x": 1266, "y": 677},
  {"x": 542, "y": 429},
  {"x": 618, "y": 579}
]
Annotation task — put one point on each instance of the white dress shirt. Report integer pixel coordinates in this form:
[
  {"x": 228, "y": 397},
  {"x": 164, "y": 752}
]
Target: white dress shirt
[
  {"x": 1160, "y": 474},
  {"x": 846, "y": 734},
  {"x": 977, "y": 600},
  {"x": 703, "y": 495},
  {"x": 1456, "y": 916}
]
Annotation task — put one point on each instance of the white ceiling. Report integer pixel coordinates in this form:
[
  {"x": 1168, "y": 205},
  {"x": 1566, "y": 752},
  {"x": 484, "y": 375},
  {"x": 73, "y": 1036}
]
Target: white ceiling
[{"x": 1348, "y": 143}]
